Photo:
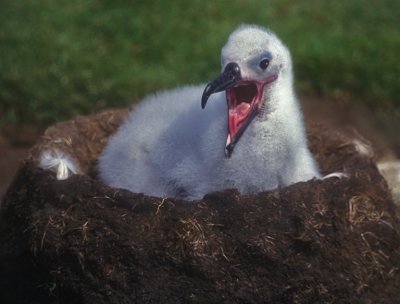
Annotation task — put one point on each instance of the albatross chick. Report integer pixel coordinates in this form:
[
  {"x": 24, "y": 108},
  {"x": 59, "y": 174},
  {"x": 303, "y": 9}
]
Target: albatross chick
[{"x": 250, "y": 135}]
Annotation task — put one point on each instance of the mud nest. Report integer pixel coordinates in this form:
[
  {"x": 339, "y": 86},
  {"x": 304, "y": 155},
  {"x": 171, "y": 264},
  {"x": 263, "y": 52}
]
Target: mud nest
[{"x": 79, "y": 241}]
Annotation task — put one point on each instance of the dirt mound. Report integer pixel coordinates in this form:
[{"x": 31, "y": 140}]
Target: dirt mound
[{"x": 79, "y": 241}]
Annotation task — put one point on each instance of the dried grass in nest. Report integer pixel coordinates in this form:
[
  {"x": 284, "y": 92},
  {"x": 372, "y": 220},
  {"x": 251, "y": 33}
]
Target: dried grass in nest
[{"x": 79, "y": 241}]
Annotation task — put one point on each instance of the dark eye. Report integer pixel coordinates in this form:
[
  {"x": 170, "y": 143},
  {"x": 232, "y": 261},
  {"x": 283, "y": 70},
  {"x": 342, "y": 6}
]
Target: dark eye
[{"x": 264, "y": 64}]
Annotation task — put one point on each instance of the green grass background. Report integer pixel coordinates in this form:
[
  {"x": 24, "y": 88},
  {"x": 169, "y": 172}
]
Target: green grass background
[{"x": 61, "y": 58}]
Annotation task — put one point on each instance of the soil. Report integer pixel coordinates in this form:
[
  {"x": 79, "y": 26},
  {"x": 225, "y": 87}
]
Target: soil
[{"x": 79, "y": 241}]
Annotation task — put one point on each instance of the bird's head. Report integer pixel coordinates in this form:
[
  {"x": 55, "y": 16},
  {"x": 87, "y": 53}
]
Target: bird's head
[{"x": 253, "y": 60}]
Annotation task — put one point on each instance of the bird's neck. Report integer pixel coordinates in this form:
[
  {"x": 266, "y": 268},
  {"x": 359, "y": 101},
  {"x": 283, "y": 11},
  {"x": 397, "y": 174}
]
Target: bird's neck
[
  {"x": 283, "y": 116},
  {"x": 281, "y": 96}
]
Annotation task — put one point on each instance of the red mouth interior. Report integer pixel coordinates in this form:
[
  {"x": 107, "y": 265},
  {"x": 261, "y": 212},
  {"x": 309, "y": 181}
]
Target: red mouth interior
[{"x": 242, "y": 100}]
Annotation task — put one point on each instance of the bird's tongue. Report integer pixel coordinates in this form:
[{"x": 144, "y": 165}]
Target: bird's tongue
[
  {"x": 236, "y": 116},
  {"x": 242, "y": 101}
]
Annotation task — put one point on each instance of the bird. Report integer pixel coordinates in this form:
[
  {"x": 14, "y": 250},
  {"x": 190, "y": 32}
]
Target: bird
[{"x": 242, "y": 130}]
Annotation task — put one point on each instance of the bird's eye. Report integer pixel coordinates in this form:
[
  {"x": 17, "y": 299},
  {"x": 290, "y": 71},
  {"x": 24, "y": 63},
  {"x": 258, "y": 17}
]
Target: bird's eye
[{"x": 264, "y": 64}]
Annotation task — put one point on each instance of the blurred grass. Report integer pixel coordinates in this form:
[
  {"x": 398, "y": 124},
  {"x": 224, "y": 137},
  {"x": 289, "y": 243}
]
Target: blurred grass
[{"x": 63, "y": 58}]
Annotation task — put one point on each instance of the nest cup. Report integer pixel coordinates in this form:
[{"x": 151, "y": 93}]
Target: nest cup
[{"x": 80, "y": 241}]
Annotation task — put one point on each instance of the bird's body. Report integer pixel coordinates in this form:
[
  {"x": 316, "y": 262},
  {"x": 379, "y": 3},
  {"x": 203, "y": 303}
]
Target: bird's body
[{"x": 168, "y": 146}]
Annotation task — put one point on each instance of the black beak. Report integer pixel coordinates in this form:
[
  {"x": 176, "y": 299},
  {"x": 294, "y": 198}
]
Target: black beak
[{"x": 229, "y": 77}]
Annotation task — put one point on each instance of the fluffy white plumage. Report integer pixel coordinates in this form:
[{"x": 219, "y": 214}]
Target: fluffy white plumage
[{"x": 168, "y": 146}]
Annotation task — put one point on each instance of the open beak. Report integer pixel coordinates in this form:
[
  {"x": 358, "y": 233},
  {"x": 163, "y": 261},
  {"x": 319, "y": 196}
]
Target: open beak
[{"x": 244, "y": 98}]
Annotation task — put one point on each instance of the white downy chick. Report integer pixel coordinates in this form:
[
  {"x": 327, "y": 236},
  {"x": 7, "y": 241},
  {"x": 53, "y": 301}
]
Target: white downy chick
[{"x": 250, "y": 136}]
